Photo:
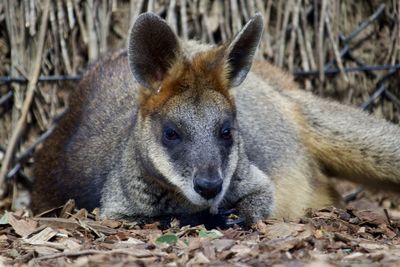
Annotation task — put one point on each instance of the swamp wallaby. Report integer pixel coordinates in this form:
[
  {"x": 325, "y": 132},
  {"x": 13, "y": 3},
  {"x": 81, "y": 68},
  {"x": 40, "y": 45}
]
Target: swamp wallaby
[{"x": 174, "y": 127}]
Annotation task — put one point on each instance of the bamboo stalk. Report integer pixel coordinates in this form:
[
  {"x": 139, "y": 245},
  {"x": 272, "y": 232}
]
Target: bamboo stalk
[
  {"x": 320, "y": 45},
  {"x": 282, "y": 44},
  {"x": 171, "y": 18},
  {"x": 90, "y": 17},
  {"x": 184, "y": 20},
  {"x": 61, "y": 23},
  {"x": 28, "y": 99},
  {"x": 293, "y": 34},
  {"x": 335, "y": 49}
]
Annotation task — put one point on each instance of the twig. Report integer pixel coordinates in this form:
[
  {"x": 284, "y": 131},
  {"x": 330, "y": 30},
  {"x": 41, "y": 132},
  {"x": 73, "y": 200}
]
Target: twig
[
  {"x": 381, "y": 88},
  {"x": 81, "y": 24},
  {"x": 30, "y": 150},
  {"x": 53, "y": 78},
  {"x": 361, "y": 64},
  {"x": 151, "y": 6},
  {"x": 221, "y": 20},
  {"x": 28, "y": 99},
  {"x": 365, "y": 23},
  {"x": 135, "y": 9},
  {"x": 91, "y": 11},
  {"x": 282, "y": 43},
  {"x": 320, "y": 45},
  {"x": 375, "y": 95},
  {"x": 93, "y": 251},
  {"x": 392, "y": 98},
  {"x": 354, "y": 34},
  {"x": 184, "y": 20},
  {"x": 366, "y": 68},
  {"x": 293, "y": 34},
  {"x": 61, "y": 24},
  {"x": 307, "y": 39},
  {"x": 236, "y": 22},
  {"x": 387, "y": 216},
  {"x": 353, "y": 195},
  {"x": 6, "y": 97},
  {"x": 335, "y": 49},
  {"x": 57, "y": 78},
  {"x": 171, "y": 18},
  {"x": 266, "y": 46}
]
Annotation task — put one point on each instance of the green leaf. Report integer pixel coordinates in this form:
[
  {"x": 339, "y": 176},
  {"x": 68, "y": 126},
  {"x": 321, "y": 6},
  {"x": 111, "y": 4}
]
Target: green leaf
[
  {"x": 13, "y": 253},
  {"x": 168, "y": 239},
  {"x": 211, "y": 234},
  {"x": 4, "y": 219}
]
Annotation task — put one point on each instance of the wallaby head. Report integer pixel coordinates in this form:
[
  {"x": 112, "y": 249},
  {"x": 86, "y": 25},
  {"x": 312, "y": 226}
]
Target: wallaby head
[{"x": 187, "y": 128}]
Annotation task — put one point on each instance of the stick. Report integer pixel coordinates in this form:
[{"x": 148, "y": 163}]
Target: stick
[
  {"x": 93, "y": 251},
  {"x": 6, "y": 97},
  {"x": 335, "y": 49},
  {"x": 320, "y": 46},
  {"x": 388, "y": 217},
  {"x": 364, "y": 24},
  {"x": 366, "y": 68},
  {"x": 28, "y": 99},
  {"x": 184, "y": 20},
  {"x": 52, "y": 78}
]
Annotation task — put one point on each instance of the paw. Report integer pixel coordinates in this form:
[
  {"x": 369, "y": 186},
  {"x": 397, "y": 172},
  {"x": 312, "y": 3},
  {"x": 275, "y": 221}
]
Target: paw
[
  {"x": 223, "y": 219},
  {"x": 255, "y": 207}
]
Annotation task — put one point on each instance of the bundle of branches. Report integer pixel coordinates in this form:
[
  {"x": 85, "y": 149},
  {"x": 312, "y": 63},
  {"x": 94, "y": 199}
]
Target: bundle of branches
[{"x": 349, "y": 50}]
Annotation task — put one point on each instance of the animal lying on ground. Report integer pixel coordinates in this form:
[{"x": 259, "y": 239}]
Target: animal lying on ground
[{"x": 172, "y": 127}]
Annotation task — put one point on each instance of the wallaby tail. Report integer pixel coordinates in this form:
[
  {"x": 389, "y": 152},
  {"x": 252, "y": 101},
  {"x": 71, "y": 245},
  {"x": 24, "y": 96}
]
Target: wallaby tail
[{"x": 349, "y": 143}]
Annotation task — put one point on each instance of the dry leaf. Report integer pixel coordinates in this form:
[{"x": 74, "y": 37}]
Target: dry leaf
[
  {"x": 43, "y": 236},
  {"x": 55, "y": 223},
  {"x": 111, "y": 223},
  {"x": 371, "y": 216},
  {"x": 282, "y": 230},
  {"x": 223, "y": 244},
  {"x": 198, "y": 258},
  {"x": 24, "y": 226}
]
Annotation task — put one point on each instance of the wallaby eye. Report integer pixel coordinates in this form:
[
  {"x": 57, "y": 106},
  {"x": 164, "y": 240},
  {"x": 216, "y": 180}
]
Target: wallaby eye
[
  {"x": 226, "y": 133},
  {"x": 170, "y": 134}
]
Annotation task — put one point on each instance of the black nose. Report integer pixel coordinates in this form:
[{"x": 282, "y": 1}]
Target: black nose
[{"x": 208, "y": 188}]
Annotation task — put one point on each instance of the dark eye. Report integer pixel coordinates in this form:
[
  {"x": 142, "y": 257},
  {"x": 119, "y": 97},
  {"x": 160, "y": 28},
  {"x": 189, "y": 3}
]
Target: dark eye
[
  {"x": 226, "y": 133},
  {"x": 170, "y": 134}
]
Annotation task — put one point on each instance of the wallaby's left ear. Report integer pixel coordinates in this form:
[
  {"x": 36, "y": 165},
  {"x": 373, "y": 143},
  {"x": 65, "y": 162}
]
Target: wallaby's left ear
[
  {"x": 240, "y": 52},
  {"x": 152, "y": 49}
]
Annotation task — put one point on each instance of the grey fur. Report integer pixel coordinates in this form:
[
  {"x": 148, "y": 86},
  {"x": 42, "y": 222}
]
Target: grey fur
[
  {"x": 105, "y": 152},
  {"x": 242, "y": 49},
  {"x": 158, "y": 46}
]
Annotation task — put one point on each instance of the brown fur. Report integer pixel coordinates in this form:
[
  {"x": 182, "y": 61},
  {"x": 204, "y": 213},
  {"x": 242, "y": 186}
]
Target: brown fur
[
  {"x": 51, "y": 161},
  {"x": 285, "y": 143},
  {"x": 184, "y": 74},
  {"x": 274, "y": 76}
]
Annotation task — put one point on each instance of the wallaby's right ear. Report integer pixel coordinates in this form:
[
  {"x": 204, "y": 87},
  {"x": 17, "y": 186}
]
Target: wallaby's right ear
[
  {"x": 152, "y": 49},
  {"x": 242, "y": 49}
]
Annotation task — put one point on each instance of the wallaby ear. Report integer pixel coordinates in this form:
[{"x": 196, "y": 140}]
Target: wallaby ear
[
  {"x": 152, "y": 49},
  {"x": 240, "y": 52}
]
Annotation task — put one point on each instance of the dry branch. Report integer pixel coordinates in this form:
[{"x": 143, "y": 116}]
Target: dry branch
[
  {"x": 298, "y": 34},
  {"x": 28, "y": 99}
]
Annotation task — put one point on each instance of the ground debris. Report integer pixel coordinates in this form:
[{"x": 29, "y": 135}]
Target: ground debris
[{"x": 363, "y": 233}]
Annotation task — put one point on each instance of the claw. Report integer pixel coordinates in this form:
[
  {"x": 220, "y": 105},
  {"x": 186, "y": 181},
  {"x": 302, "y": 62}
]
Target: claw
[
  {"x": 239, "y": 222},
  {"x": 227, "y": 212}
]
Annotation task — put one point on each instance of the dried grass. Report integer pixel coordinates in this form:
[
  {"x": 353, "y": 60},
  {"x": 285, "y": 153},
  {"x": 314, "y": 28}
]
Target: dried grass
[{"x": 300, "y": 35}]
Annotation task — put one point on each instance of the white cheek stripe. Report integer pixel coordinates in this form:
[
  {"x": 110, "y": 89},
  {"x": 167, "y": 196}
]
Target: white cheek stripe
[
  {"x": 160, "y": 161},
  {"x": 233, "y": 161},
  {"x": 159, "y": 158}
]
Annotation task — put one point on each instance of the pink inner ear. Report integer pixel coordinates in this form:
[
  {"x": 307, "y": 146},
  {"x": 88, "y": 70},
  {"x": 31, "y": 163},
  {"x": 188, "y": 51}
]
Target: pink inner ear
[{"x": 159, "y": 76}]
